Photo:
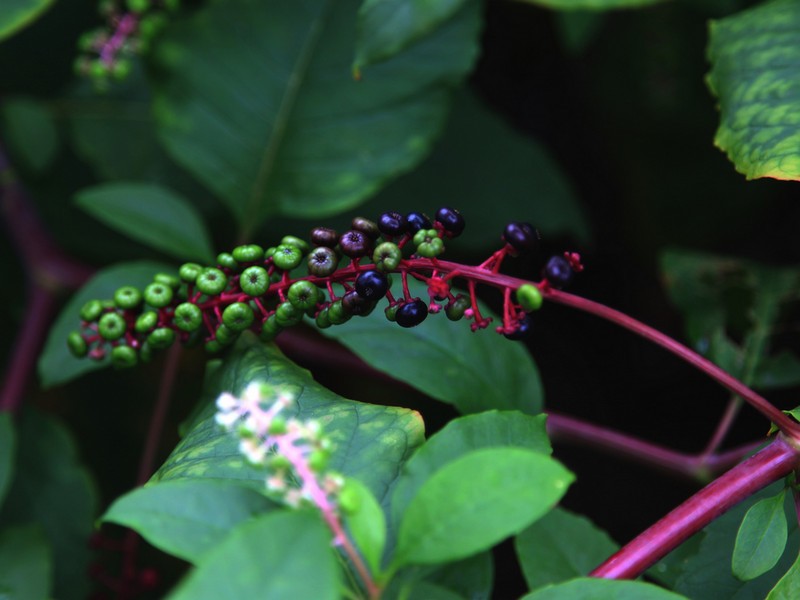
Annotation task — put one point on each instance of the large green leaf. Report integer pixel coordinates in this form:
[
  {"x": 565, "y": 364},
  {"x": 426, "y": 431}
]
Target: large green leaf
[
  {"x": 26, "y": 570},
  {"x": 370, "y": 442},
  {"x": 257, "y": 101},
  {"x": 56, "y": 363},
  {"x": 755, "y": 75},
  {"x": 17, "y": 14},
  {"x": 761, "y": 538},
  {"x": 602, "y": 589},
  {"x": 30, "y": 131},
  {"x": 186, "y": 517},
  {"x": 593, "y": 4},
  {"x": 8, "y": 450},
  {"x": 471, "y": 577},
  {"x": 481, "y": 160},
  {"x": 151, "y": 214},
  {"x": 474, "y": 371},
  {"x": 385, "y": 27},
  {"x": 561, "y": 546},
  {"x": 788, "y": 586},
  {"x": 51, "y": 490},
  {"x": 475, "y": 501},
  {"x": 285, "y": 554}
]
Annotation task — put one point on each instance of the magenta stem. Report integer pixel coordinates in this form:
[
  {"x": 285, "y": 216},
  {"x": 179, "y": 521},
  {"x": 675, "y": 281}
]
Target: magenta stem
[{"x": 772, "y": 463}]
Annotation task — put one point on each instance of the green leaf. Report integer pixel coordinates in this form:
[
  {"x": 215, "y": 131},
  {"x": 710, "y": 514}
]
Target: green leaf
[
  {"x": 186, "y": 517},
  {"x": 475, "y": 502},
  {"x": 489, "y": 429},
  {"x": 8, "y": 450},
  {"x": 151, "y": 214},
  {"x": 788, "y": 586},
  {"x": 285, "y": 554},
  {"x": 31, "y": 132},
  {"x": 425, "y": 590},
  {"x": 53, "y": 491},
  {"x": 593, "y": 4},
  {"x": 779, "y": 371},
  {"x": 56, "y": 363},
  {"x": 26, "y": 570},
  {"x": 370, "y": 442},
  {"x": 761, "y": 539},
  {"x": 445, "y": 360},
  {"x": 366, "y": 523},
  {"x": 755, "y": 76},
  {"x": 386, "y": 27},
  {"x": 257, "y": 101},
  {"x": 561, "y": 546},
  {"x": 470, "y": 577},
  {"x": 17, "y": 14},
  {"x": 602, "y": 589},
  {"x": 480, "y": 157}
]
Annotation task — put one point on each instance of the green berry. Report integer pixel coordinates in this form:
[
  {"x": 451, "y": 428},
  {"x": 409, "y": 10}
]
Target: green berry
[
  {"x": 161, "y": 338},
  {"x": 278, "y": 462},
  {"x": 529, "y": 297},
  {"x": 322, "y": 320},
  {"x": 145, "y": 352},
  {"x": 226, "y": 260},
  {"x": 211, "y": 281},
  {"x": 97, "y": 70},
  {"x": 77, "y": 345},
  {"x": 225, "y": 335},
  {"x": 391, "y": 312},
  {"x": 303, "y": 295},
  {"x": 254, "y": 281},
  {"x": 299, "y": 243},
  {"x": 127, "y": 297},
  {"x": 138, "y": 6},
  {"x": 123, "y": 357},
  {"x": 247, "y": 254},
  {"x": 121, "y": 68},
  {"x": 349, "y": 500},
  {"x": 337, "y": 313},
  {"x": 387, "y": 257},
  {"x": 146, "y": 322},
  {"x": 277, "y": 426},
  {"x": 92, "y": 310},
  {"x": 158, "y": 295},
  {"x": 456, "y": 308},
  {"x": 287, "y": 257},
  {"x": 111, "y": 326},
  {"x": 168, "y": 280},
  {"x": 238, "y": 316},
  {"x": 287, "y": 314},
  {"x": 188, "y": 317},
  {"x": 322, "y": 261},
  {"x": 428, "y": 243},
  {"x": 213, "y": 346},
  {"x": 189, "y": 272},
  {"x": 270, "y": 329},
  {"x": 318, "y": 460}
]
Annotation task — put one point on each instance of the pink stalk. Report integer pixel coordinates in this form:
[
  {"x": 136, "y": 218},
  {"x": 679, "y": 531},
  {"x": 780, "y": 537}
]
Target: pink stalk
[{"x": 126, "y": 26}]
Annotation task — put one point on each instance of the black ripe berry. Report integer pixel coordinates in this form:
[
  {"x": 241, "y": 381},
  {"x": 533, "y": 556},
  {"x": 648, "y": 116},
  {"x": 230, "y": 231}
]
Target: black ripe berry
[
  {"x": 451, "y": 220},
  {"x": 558, "y": 272},
  {"x": 523, "y": 237},
  {"x": 392, "y": 223},
  {"x": 522, "y": 331},
  {"x": 417, "y": 221},
  {"x": 323, "y": 236},
  {"x": 372, "y": 285},
  {"x": 411, "y": 313},
  {"x": 355, "y": 244}
]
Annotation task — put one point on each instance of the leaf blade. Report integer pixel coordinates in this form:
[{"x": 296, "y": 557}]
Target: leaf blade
[{"x": 761, "y": 539}]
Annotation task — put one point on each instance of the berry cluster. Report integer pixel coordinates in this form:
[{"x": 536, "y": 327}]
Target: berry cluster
[
  {"x": 131, "y": 25},
  {"x": 347, "y": 275}
]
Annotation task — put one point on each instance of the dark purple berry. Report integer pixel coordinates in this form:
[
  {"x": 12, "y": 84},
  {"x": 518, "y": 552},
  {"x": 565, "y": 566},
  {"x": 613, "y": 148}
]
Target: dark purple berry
[
  {"x": 522, "y": 331},
  {"x": 366, "y": 226},
  {"x": 322, "y": 261},
  {"x": 355, "y": 244},
  {"x": 323, "y": 236},
  {"x": 558, "y": 272},
  {"x": 417, "y": 221},
  {"x": 356, "y": 305},
  {"x": 372, "y": 285},
  {"x": 451, "y": 220},
  {"x": 411, "y": 313},
  {"x": 523, "y": 237},
  {"x": 392, "y": 223}
]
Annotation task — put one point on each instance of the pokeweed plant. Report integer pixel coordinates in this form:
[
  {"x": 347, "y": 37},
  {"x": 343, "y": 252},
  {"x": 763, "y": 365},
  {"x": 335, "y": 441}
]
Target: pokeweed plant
[{"x": 279, "y": 486}]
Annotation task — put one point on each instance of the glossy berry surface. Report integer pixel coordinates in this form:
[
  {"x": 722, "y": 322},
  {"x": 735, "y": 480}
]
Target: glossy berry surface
[
  {"x": 324, "y": 236},
  {"x": 322, "y": 261},
  {"x": 392, "y": 223},
  {"x": 558, "y": 272},
  {"x": 411, "y": 313},
  {"x": 372, "y": 285},
  {"x": 523, "y": 237},
  {"x": 417, "y": 221},
  {"x": 369, "y": 228},
  {"x": 355, "y": 244},
  {"x": 450, "y": 220}
]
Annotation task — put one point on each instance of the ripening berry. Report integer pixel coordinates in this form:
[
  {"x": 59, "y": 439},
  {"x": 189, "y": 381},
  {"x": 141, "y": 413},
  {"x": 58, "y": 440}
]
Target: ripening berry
[
  {"x": 324, "y": 236},
  {"x": 322, "y": 261},
  {"x": 558, "y": 272},
  {"x": 387, "y": 257},
  {"x": 456, "y": 308},
  {"x": 356, "y": 305},
  {"x": 411, "y": 313},
  {"x": 367, "y": 227}
]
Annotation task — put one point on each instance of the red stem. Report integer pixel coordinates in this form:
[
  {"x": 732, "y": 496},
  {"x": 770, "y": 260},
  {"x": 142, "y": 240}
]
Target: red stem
[{"x": 772, "y": 463}]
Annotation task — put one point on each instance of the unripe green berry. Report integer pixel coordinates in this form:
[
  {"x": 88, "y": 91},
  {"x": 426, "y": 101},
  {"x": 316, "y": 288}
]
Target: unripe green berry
[
  {"x": 98, "y": 69},
  {"x": 303, "y": 295},
  {"x": 349, "y": 501},
  {"x": 254, "y": 281},
  {"x": 189, "y": 272},
  {"x": 138, "y": 6},
  {"x": 161, "y": 338},
  {"x": 225, "y": 335},
  {"x": 247, "y": 254},
  {"x": 92, "y": 310},
  {"x": 158, "y": 295},
  {"x": 428, "y": 243},
  {"x": 287, "y": 257},
  {"x": 168, "y": 280},
  {"x": 123, "y": 357},
  {"x": 287, "y": 314},
  {"x": 529, "y": 297},
  {"x": 318, "y": 460},
  {"x": 226, "y": 260},
  {"x": 77, "y": 345},
  {"x": 322, "y": 320},
  {"x": 146, "y": 322},
  {"x": 387, "y": 257},
  {"x": 391, "y": 312},
  {"x": 299, "y": 243},
  {"x": 238, "y": 316},
  {"x": 121, "y": 68},
  {"x": 127, "y": 297},
  {"x": 213, "y": 346},
  {"x": 278, "y": 462},
  {"x": 188, "y": 317},
  {"x": 456, "y": 308},
  {"x": 211, "y": 281},
  {"x": 270, "y": 329},
  {"x": 337, "y": 313},
  {"x": 277, "y": 426},
  {"x": 111, "y": 326},
  {"x": 145, "y": 352}
]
